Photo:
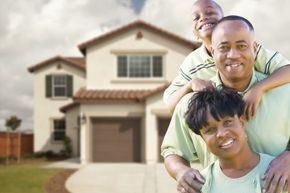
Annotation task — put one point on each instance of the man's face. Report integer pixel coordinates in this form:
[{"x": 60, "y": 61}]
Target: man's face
[
  {"x": 225, "y": 138},
  {"x": 205, "y": 15},
  {"x": 234, "y": 50}
]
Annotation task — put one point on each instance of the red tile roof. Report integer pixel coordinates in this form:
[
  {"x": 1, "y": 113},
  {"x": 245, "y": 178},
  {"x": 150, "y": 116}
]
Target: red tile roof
[
  {"x": 116, "y": 94},
  {"x": 84, "y": 95},
  {"x": 139, "y": 23},
  {"x": 69, "y": 106},
  {"x": 78, "y": 62}
]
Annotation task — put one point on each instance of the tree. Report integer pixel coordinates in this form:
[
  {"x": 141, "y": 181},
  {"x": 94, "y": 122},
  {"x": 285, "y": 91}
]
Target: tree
[{"x": 12, "y": 123}]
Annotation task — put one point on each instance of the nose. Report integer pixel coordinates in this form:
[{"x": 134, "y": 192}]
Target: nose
[
  {"x": 203, "y": 17},
  {"x": 233, "y": 53},
  {"x": 221, "y": 132}
]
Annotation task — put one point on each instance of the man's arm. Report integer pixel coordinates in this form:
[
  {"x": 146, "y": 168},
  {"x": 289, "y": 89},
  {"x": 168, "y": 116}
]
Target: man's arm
[
  {"x": 188, "y": 179},
  {"x": 277, "y": 177},
  {"x": 271, "y": 63},
  {"x": 253, "y": 96}
]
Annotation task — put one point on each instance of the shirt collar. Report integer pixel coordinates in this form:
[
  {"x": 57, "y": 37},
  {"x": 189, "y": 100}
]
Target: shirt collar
[
  {"x": 254, "y": 79},
  {"x": 207, "y": 59}
]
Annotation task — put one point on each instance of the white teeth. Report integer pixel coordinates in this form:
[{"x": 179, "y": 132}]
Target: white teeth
[
  {"x": 227, "y": 143},
  {"x": 206, "y": 26}
]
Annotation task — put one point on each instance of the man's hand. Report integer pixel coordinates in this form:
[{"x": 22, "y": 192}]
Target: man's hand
[
  {"x": 277, "y": 177},
  {"x": 199, "y": 84},
  {"x": 189, "y": 181},
  {"x": 252, "y": 100}
]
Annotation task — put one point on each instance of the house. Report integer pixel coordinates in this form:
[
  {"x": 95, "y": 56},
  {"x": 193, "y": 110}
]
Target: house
[{"x": 109, "y": 102}]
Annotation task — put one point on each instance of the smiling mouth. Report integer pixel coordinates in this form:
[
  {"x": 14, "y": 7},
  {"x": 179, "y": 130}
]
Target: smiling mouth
[
  {"x": 227, "y": 143},
  {"x": 233, "y": 67},
  {"x": 207, "y": 26}
]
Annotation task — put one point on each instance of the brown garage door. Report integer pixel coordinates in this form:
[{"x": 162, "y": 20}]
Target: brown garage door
[
  {"x": 116, "y": 140},
  {"x": 162, "y": 128}
]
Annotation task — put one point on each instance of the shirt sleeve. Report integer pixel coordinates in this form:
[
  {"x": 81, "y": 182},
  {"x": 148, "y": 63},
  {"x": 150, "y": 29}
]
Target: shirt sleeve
[
  {"x": 177, "y": 139},
  {"x": 183, "y": 77},
  {"x": 267, "y": 61}
]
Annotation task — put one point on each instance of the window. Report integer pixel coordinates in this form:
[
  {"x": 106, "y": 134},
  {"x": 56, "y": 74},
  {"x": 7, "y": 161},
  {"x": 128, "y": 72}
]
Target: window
[
  {"x": 135, "y": 66},
  {"x": 59, "y": 86},
  {"x": 58, "y": 129}
]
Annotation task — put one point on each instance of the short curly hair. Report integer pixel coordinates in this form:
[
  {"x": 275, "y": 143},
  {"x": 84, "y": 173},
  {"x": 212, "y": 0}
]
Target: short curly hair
[{"x": 219, "y": 102}]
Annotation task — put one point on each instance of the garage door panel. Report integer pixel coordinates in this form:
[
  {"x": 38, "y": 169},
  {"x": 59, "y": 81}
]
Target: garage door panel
[{"x": 116, "y": 140}]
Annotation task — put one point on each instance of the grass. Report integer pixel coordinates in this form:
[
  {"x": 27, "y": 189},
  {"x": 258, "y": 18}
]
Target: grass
[{"x": 28, "y": 177}]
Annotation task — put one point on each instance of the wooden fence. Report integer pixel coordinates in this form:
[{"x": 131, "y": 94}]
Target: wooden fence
[{"x": 9, "y": 146}]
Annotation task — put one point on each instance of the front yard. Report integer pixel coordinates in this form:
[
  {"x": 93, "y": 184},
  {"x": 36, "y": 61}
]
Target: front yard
[{"x": 30, "y": 177}]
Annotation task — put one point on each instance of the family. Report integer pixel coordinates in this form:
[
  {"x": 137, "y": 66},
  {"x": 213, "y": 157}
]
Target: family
[{"x": 231, "y": 110}]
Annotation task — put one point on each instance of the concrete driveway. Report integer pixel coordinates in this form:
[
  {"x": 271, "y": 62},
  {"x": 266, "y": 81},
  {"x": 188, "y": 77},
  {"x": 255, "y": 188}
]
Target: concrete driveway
[
  {"x": 118, "y": 177},
  {"x": 121, "y": 178}
]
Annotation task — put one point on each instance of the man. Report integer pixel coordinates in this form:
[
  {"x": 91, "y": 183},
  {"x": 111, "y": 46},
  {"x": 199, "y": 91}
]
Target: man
[
  {"x": 198, "y": 66},
  {"x": 233, "y": 50}
]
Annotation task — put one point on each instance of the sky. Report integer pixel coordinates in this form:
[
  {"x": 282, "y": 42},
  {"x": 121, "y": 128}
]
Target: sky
[{"x": 35, "y": 30}]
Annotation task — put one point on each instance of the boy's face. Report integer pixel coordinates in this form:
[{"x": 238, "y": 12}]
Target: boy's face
[
  {"x": 225, "y": 138},
  {"x": 234, "y": 50},
  {"x": 205, "y": 15}
]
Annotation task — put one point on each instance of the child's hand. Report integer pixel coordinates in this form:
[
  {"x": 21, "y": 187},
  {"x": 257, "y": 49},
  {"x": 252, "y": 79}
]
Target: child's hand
[
  {"x": 199, "y": 84},
  {"x": 252, "y": 100}
]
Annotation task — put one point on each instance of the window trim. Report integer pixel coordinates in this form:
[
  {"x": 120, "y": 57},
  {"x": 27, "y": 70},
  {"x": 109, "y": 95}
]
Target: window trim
[
  {"x": 128, "y": 58},
  {"x": 53, "y": 130},
  {"x": 53, "y": 86}
]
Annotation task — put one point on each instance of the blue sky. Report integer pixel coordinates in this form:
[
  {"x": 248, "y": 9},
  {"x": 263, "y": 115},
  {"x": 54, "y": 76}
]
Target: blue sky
[{"x": 35, "y": 30}]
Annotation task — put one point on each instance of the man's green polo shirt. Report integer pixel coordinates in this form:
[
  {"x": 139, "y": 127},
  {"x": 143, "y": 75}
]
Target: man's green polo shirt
[
  {"x": 268, "y": 132},
  {"x": 199, "y": 64}
]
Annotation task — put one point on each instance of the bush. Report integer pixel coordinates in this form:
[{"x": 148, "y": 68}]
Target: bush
[{"x": 67, "y": 151}]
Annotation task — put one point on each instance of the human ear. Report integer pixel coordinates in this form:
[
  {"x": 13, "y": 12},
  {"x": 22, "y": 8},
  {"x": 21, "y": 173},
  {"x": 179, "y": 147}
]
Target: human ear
[
  {"x": 211, "y": 50},
  {"x": 242, "y": 119},
  {"x": 255, "y": 47}
]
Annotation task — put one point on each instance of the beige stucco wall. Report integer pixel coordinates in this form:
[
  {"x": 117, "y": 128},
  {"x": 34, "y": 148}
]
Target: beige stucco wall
[
  {"x": 73, "y": 129},
  {"x": 46, "y": 109},
  {"x": 102, "y": 60},
  {"x": 154, "y": 108}
]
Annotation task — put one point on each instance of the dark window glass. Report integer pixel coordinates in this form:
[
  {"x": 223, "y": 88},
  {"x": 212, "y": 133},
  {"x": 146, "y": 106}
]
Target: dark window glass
[
  {"x": 122, "y": 66},
  {"x": 157, "y": 66},
  {"x": 59, "y": 129}
]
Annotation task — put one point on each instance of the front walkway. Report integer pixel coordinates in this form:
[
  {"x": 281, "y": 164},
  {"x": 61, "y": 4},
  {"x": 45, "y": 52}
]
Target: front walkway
[{"x": 119, "y": 178}]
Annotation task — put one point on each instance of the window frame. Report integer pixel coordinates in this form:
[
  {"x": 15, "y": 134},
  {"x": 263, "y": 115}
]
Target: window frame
[
  {"x": 151, "y": 66},
  {"x": 64, "y": 86},
  {"x": 57, "y": 130}
]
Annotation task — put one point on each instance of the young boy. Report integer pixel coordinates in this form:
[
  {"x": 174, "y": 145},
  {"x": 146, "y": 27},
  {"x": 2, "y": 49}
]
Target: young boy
[
  {"x": 198, "y": 67},
  {"x": 216, "y": 115}
]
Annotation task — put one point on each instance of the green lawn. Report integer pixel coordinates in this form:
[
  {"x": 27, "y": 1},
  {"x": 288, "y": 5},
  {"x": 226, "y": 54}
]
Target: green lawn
[{"x": 24, "y": 178}]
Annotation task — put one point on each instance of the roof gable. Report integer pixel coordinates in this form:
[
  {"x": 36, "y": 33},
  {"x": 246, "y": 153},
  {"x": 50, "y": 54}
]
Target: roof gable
[
  {"x": 77, "y": 62},
  {"x": 139, "y": 23}
]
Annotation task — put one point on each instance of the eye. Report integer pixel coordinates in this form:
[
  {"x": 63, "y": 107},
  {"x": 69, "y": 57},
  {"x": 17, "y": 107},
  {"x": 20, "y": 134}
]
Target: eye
[
  {"x": 242, "y": 46},
  {"x": 228, "y": 122},
  {"x": 223, "y": 48},
  {"x": 209, "y": 130},
  {"x": 196, "y": 17}
]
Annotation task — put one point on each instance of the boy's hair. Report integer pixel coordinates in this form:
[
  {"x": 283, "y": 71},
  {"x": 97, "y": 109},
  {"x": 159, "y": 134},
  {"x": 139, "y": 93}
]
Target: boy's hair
[
  {"x": 219, "y": 102},
  {"x": 235, "y": 18},
  {"x": 215, "y": 3}
]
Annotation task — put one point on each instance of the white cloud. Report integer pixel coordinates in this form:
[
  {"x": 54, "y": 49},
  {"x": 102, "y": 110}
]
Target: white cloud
[{"x": 32, "y": 31}]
